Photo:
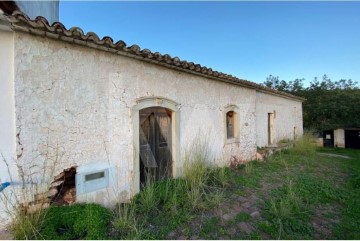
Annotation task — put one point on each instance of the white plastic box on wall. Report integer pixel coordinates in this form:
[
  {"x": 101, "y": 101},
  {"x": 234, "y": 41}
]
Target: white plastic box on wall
[{"x": 94, "y": 176}]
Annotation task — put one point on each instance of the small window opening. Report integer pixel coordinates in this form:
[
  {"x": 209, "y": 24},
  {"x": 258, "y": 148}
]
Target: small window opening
[
  {"x": 94, "y": 176},
  {"x": 230, "y": 129}
]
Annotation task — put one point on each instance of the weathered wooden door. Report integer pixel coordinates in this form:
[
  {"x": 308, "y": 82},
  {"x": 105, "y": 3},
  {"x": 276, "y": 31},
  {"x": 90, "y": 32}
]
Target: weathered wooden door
[
  {"x": 155, "y": 144},
  {"x": 295, "y": 133}
]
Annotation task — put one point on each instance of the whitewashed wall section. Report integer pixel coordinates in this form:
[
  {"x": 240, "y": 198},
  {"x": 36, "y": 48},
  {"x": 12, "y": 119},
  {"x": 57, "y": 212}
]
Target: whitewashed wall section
[
  {"x": 74, "y": 106},
  {"x": 287, "y": 113}
]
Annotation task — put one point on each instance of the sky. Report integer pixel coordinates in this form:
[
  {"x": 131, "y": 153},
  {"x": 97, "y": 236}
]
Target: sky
[{"x": 249, "y": 40}]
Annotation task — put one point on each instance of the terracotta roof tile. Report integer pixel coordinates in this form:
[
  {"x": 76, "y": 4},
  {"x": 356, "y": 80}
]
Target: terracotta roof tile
[{"x": 40, "y": 26}]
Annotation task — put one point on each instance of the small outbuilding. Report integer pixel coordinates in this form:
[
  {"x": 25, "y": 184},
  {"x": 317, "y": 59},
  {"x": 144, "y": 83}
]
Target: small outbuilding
[{"x": 344, "y": 137}]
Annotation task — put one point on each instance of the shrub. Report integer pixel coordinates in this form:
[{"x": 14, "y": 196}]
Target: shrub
[
  {"x": 79, "y": 221},
  {"x": 220, "y": 177},
  {"x": 26, "y": 226},
  {"x": 196, "y": 174},
  {"x": 147, "y": 200},
  {"x": 172, "y": 194},
  {"x": 125, "y": 219}
]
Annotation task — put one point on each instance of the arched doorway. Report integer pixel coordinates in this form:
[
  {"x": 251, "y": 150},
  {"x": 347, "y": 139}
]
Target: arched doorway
[
  {"x": 155, "y": 144},
  {"x": 156, "y": 149}
]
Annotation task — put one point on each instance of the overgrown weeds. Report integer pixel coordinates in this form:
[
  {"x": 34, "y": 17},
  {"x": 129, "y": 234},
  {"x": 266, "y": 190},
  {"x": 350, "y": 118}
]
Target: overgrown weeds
[
  {"x": 286, "y": 213},
  {"x": 25, "y": 200},
  {"x": 125, "y": 222},
  {"x": 161, "y": 206},
  {"x": 289, "y": 186},
  {"x": 27, "y": 226},
  {"x": 148, "y": 200},
  {"x": 196, "y": 174},
  {"x": 220, "y": 177},
  {"x": 306, "y": 145}
]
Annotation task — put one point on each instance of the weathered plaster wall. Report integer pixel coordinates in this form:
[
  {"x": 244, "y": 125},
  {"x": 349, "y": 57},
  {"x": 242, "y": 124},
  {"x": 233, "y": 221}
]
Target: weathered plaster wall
[
  {"x": 288, "y": 114},
  {"x": 7, "y": 108},
  {"x": 7, "y": 120},
  {"x": 73, "y": 106}
]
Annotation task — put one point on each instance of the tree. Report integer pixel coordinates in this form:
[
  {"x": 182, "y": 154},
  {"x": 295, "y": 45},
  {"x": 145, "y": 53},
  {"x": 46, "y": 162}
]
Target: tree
[
  {"x": 328, "y": 104},
  {"x": 274, "y": 83}
]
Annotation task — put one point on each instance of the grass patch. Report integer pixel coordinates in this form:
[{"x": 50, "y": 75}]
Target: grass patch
[
  {"x": 79, "y": 221},
  {"x": 242, "y": 217},
  {"x": 312, "y": 181},
  {"x": 287, "y": 214},
  {"x": 211, "y": 228}
]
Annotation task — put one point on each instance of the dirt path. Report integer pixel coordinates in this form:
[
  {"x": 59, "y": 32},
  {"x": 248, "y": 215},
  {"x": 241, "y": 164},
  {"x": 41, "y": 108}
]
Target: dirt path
[{"x": 334, "y": 155}]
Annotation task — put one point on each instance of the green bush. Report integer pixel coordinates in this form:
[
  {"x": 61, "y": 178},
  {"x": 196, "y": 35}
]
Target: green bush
[{"x": 79, "y": 221}]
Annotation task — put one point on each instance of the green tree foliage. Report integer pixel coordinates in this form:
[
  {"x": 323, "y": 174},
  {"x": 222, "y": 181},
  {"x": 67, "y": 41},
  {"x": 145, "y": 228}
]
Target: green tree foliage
[{"x": 329, "y": 104}]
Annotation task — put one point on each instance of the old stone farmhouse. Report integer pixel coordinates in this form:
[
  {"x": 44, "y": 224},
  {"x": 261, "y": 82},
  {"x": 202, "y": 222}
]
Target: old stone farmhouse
[{"x": 105, "y": 115}]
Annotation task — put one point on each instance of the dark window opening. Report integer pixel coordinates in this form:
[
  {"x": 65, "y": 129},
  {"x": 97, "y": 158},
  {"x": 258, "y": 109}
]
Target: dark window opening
[
  {"x": 94, "y": 176},
  {"x": 328, "y": 138},
  {"x": 230, "y": 128}
]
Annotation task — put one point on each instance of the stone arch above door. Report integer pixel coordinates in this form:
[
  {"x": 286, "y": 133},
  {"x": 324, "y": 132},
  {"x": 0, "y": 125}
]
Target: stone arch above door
[{"x": 143, "y": 103}]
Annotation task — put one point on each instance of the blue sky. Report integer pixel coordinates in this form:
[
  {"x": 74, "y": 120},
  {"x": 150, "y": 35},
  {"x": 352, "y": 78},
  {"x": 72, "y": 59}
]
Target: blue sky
[{"x": 250, "y": 40}]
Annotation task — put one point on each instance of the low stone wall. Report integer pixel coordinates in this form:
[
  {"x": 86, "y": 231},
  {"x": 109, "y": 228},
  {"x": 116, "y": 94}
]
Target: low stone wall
[{"x": 264, "y": 153}]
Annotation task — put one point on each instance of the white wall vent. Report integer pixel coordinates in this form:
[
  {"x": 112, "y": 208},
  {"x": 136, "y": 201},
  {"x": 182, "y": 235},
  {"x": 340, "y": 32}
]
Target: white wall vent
[{"x": 92, "y": 177}]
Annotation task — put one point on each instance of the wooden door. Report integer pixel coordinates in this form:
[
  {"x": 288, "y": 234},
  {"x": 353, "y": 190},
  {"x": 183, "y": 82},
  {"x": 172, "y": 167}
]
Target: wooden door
[
  {"x": 155, "y": 144},
  {"x": 270, "y": 128},
  {"x": 295, "y": 133}
]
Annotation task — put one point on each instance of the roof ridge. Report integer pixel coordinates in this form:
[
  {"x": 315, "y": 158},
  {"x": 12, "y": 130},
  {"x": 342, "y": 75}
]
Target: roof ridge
[{"x": 40, "y": 26}]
